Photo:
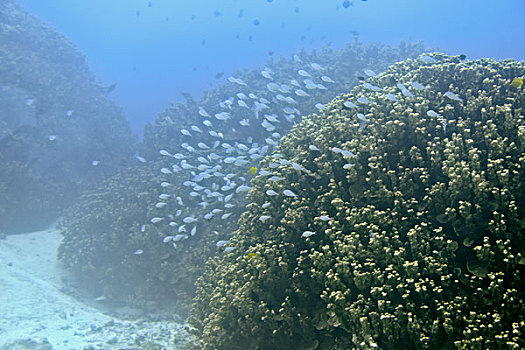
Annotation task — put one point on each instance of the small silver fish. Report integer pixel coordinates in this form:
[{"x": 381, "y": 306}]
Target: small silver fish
[
  {"x": 303, "y": 73},
  {"x": 391, "y": 97},
  {"x": 301, "y": 93},
  {"x": 453, "y": 96},
  {"x": 349, "y": 104},
  {"x": 432, "y": 113},
  {"x": 221, "y": 243},
  {"x": 427, "y": 59},
  {"x": 271, "y": 193},
  {"x": 263, "y": 218},
  {"x": 370, "y": 73},
  {"x": 418, "y": 86},
  {"x": 327, "y": 79},
  {"x": 307, "y": 234},
  {"x": 289, "y": 193}
]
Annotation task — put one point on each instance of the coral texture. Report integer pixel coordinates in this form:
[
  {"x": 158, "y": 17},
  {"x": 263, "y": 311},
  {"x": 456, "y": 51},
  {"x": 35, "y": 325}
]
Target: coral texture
[{"x": 418, "y": 219}]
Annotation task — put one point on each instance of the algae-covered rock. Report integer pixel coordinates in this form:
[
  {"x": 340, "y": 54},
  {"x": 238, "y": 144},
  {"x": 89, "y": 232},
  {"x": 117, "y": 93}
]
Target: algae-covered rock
[
  {"x": 55, "y": 121},
  {"x": 416, "y": 199}
]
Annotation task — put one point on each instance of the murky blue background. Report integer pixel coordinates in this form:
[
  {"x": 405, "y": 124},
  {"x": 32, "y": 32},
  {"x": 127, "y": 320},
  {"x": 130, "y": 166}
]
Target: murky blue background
[{"x": 155, "y": 50}]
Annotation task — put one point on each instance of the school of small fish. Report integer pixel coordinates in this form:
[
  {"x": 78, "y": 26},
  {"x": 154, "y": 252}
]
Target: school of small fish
[{"x": 218, "y": 171}]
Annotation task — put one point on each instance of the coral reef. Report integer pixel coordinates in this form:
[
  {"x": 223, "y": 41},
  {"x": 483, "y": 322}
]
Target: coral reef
[
  {"x": 55, "y": 120},
  {"x": 167, "y": 269},
  {"x": 407, "y": 228}
]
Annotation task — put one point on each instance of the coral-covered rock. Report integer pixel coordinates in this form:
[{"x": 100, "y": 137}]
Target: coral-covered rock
[{"x": 417, "y": 201}]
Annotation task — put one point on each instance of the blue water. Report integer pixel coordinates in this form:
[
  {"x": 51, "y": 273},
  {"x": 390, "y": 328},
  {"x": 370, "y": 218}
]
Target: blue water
[{"x": 155, "y": 50}]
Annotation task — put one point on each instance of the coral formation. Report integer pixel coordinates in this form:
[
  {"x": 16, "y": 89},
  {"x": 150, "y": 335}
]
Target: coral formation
[
  {"x": 415, "y": 222},
  {"x": 165, "y": 270},
  {"x": 55, "y": 120}
]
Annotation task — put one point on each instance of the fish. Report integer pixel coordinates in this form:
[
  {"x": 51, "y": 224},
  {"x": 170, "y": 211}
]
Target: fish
[
  {"x": 363, "y": 100},
  {"x": 265, "y": 205},
  {"x": 271, "y": 193},
  {"x": 370, "y": 73},
  {"x": 179, "y": 237},
  {"x": 516, "y": 83},
  {"x": 189, "y": 219},
  {"x": 253, "y": 170},
  {"x": 324, "y": 218},
  {"x": 243, "y": 189},
  {"x": 52, "y": 137},
  {"x": 203, "y": 112},
  {"x": 167, "y": 239},
  {"x": 453, "y": 96},
  {"x": 316, "y": 66},
  {"x": 307, "y": 234},
  {"x": 327, "y": 79},
  {"x": 196, "y": 128},
  {"x": 371, "y": 87},
  {"x": 264, "y": 218},
  {"x": 313, "y": 148},
  {"x": 95, "y": 163},
  {"x": 156, "y": 219},
  {"x": 347, "y": 154},
  {"x": 349, "y": 104},
  {"x": 391, "y": 97},
  {"x": 362, "y": 117},
  {"x": 320, "y": 106},
  {"x": 289, "y": 193},
  {"x": 348, "y": 166},
  {"x": 165, "y": 153},
  {"x": 266, "y": 75},
  {"x": 303, "y": 73},
  {"x": 406, "y": 93},
  {"x": 432, "y": 113},
  {"x": 160, "y": 205},
  {"x": 223, "y": 116},
  {"x": 138, "y": 252},
  {"x": 428, "y": 59},
  {"x": 301, "y": 93},
  {"x": 418, "y": 86}
]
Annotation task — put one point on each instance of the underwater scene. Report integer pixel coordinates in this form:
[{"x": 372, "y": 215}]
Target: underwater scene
[{"x": 262, "y": 174}]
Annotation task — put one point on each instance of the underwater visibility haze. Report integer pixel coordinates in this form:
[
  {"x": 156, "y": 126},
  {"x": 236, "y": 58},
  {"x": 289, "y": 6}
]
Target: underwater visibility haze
[
  {"x": 263, "y": 174},
  {"x": 154, "y": 50}
]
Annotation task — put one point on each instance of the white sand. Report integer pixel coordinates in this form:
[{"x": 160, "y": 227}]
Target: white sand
[{"x": 32, "y": 304}]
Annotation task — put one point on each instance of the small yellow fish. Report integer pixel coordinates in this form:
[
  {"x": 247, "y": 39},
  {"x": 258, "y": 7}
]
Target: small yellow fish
[
  {"x": 251, "y": 255},
  {"x": 517, "y": 83},
  {"x": 253, "y": 170}
]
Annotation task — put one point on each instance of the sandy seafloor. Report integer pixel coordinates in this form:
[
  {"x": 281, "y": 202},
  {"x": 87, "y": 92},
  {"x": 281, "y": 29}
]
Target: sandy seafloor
[{"x": 35, "y": 309}]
